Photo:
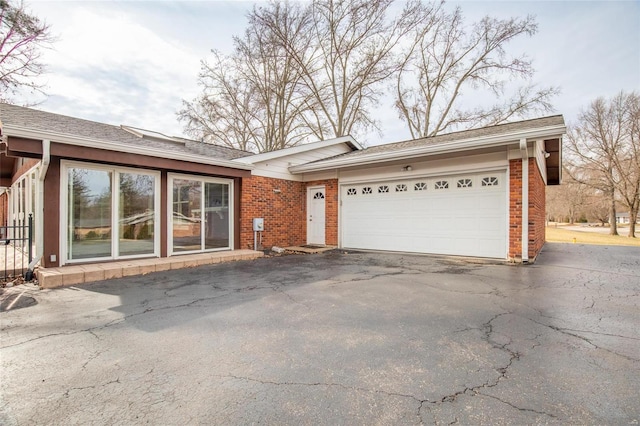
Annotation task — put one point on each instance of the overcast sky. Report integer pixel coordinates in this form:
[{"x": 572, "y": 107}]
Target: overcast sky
[{"x": 133, "y": 62}]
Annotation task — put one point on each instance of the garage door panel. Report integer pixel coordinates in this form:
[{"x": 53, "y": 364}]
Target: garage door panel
[{"x": 468, "y": 221}]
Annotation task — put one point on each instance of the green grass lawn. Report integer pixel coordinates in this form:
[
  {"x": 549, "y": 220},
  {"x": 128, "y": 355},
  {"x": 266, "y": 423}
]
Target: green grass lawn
[{"x": 557, "y": 235}]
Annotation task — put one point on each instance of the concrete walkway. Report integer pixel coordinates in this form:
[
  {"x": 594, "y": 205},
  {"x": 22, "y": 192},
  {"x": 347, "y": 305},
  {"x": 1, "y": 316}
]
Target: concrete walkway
[{"x": 80, "y": 274}]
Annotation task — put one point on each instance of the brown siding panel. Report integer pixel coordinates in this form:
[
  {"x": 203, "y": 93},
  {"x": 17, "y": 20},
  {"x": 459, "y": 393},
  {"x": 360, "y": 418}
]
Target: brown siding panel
[
  {"x": 52, "y": 233},
  {"x": 4, "y": 208}
]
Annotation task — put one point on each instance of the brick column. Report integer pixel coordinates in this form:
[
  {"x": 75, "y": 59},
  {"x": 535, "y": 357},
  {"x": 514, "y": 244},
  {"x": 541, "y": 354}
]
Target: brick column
[{"x": 515, "y": 210}]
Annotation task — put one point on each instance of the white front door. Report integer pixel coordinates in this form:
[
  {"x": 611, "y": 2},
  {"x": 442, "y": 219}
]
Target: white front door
[{"x": 315, "y": 215}]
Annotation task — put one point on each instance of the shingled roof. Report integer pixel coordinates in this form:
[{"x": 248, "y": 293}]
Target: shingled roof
[
  {"x": 497, "y": 130},
  {"x": 29, "y": 118}
]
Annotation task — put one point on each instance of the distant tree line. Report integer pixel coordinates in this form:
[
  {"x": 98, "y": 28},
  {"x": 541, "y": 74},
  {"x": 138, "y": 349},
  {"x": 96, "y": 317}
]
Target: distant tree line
[
  {"x": 318, "y": 70},
  {"x": 602, "y": 163}
]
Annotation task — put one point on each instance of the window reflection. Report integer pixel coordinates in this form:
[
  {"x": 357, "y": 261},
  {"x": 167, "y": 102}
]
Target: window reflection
[
  {"x": 136, "y": 216},
  {"x": 187, "y": 196},
  {"x": 89, "y": 213},
  {"x": 192, "y": 209}
]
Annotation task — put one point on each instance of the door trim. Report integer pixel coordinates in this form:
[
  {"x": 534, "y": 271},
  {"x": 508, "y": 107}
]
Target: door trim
[{"x": 310, "y": 191}]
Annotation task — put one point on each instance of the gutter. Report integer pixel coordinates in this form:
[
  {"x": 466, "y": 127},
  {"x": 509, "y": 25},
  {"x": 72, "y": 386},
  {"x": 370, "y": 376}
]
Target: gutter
[
  {"x": 442, "y": 148},
  {"x": 39, "y": 225},
  {"x": 24, "y": 132},
  {"x": 525, "y": 200}
]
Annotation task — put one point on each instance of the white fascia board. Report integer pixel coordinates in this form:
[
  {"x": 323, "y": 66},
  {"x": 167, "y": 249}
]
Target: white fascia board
[
  {"x": 62, "y": 138},
  {"x": 443, "y": 148},
  {"x": 256, "y": 158}
]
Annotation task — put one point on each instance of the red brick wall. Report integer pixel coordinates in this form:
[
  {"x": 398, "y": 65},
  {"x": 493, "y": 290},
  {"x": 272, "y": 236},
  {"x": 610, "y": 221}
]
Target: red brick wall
[
  {"x": 536, "y": 210},
  {"x": 515, "y": 210},
  {"x": 283, "y": 212}
]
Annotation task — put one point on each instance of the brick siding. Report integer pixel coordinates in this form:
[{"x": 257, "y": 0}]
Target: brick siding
[
  {"x": 284, "y": 212},
  {"x": 536, "y": 210},
  {"x": 515, "y": 210}
]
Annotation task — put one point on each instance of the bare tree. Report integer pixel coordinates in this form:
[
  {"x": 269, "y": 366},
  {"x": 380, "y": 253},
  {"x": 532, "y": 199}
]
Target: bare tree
[
  {"x": 254, "y": 99},
  {"x": 224, "y": 113},
  {"x": 597, "y": 208},
  {"x": 354, "y": 53},
  {"x": 602, "y": 150},
  {"x": 627, "y": 160},
  {"x": 567, "y": 201},
  {"x": 22, "y": 36},
  {"x": 447, "y": 58},
  {"x": 318, "y": 70}
]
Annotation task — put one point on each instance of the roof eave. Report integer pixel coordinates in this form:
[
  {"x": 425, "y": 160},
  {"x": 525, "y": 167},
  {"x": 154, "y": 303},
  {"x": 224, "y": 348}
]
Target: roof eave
[
  {"x": 256, "y": 158},
  {"x": 427, "y": 150},
  {"x": 23, "y": 132}
]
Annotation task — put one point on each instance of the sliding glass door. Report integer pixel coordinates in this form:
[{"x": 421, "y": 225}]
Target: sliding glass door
[
  {"x": 201, "y": 214},
  {"x": 111, "y": 213}
]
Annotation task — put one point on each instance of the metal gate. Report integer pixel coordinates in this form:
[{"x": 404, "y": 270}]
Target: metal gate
[{"x": 16, "y": 249}]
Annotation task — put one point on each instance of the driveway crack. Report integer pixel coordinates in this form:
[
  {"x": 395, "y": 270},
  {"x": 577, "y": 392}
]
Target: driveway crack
[
  {"x": 568, "y": 332},
  {"x": 529, "y": 410}
]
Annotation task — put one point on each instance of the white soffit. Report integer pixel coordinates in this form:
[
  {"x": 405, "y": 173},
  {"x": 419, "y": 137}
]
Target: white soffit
[{"x": 252, "y": 159}]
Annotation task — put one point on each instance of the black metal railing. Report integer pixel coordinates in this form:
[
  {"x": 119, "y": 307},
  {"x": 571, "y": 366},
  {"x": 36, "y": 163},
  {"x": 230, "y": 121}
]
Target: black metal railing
[{"x": 17, "y": 243}]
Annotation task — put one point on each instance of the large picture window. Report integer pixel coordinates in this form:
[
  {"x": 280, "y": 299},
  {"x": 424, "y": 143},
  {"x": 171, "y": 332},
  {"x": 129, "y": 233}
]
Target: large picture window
[
  {"x": 200, "y": 214},
  {"x": 111, "y": 213}
]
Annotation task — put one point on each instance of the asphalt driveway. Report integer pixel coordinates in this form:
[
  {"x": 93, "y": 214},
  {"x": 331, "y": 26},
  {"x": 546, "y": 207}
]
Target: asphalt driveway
[{"x": 335, "y": 338}]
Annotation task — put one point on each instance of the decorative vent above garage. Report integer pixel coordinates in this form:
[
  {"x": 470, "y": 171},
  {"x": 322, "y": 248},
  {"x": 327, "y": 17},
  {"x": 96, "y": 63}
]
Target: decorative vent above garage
[
  {"x": 420, "y": 186},
  {"x": 490, "y": 181},
  {"x": 465, "y": 183}
]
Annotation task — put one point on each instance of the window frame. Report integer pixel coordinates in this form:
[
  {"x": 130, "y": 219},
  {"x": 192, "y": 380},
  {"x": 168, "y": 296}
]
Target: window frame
[{"x": 65, "y": 165}]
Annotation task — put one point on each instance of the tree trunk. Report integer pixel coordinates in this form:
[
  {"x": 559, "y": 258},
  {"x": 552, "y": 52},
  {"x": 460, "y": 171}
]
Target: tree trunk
[
  {"x": 633, "y": 218},
  {"x": 613, "y": 226}
]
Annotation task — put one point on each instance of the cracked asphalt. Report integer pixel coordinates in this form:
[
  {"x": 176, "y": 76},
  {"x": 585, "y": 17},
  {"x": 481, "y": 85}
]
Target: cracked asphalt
[{"x": 334, "y": 338}]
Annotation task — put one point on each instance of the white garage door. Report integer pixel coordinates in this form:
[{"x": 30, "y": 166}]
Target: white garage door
[{"x": 459, "y": 215}]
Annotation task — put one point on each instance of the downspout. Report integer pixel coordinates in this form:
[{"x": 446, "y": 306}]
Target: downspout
[
  {"x": 39, "y": 225},
  {"x": 525, "y": 200}
]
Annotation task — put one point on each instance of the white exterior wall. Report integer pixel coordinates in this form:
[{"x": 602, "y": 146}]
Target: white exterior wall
[
  {"x": 468, "y": 164},
  {"x": 278, "y": 168}
]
